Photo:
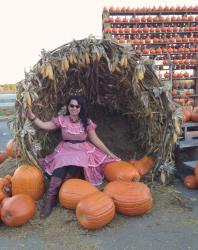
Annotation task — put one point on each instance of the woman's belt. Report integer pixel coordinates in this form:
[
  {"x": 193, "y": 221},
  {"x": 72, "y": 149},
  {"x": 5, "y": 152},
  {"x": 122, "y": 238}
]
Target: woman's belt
[{"x": 74, "y": 141}]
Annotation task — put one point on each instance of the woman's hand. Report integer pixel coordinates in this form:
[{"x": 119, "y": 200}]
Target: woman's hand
[
  {"x": 39, "y": 123},
  {"x": 113, "y": 155}
]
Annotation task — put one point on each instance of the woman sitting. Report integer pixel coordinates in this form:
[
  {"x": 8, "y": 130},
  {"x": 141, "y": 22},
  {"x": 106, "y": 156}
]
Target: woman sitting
[{"x": 80, "y": 153}]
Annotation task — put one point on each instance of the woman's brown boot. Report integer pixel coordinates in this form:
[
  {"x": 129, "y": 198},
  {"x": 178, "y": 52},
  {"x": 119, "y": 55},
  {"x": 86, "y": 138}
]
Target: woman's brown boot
[{"x": 50, "y": 198}]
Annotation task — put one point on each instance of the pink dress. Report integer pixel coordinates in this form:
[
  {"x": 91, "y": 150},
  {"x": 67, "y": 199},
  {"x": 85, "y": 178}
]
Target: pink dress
[{"x": 83, "y": 154}]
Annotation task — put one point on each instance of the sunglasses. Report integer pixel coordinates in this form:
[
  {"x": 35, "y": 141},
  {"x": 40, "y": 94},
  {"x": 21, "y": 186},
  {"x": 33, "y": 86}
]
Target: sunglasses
[{"x": 74, "y": 106}]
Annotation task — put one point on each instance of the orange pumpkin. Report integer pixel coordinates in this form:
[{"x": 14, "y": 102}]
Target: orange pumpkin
[
  {"x": 95, "y": 210},
  {"x": 164, "y": 29},
  {"x": 3, "y": 156},
  {"x": 172, "y": 39},
  {"x": 196, "y": 172},
  {"x": 186, "y": 116},
  {"x": 175, "y": 29},
  {"x": 4, "y": 200},
  {"x": 149, "y": 19},
  {"x": 123, "y": 9},
  {"x": 167, "y": 19},
  {"x": 165, "y": 62},
  {"x": 125, "y": 19},
  {"x": 194, "y": 117},
  {"x": 131, "y": 19},
  {"x": 156, "y": 19},
  {"x": 5, "y": 188},
  {"x": 108, "y": 29},
  {"x": 158, "y": 50},
  {"x": 118, "y": 20},
  {"x": 112, "y": 9},
  {"x": 115, "y": 30},
  {"x": 166, "y": 75},
  {"x": 73, "y": 190},
  {"x": 8, "y": 178},
  {"x": 121, "y": 170},
  {"x": 130, "y": 198},
  {"x": 143, "y": 165},
  {"x": 158, "y": 29},
  {"x": 28, "y": 180},
  {"x": 190, "y": 182},
  {"x": 173, "y": 18},
  {"x": 146, "y": 51},
  {"x": 117, "y": 10},
  {"x": 178, "y": 39},
  {"x": 127, "y": 29},
  {"x": 143, "y": 19},
  {"x": 166, "y": 8},
  {"x": 11, "y": 149},
  {"x": 105, "y": 20},
  {"x": 17, "y": 210},
  {"x": 155, "y": 40},
  {"x": 148, "y": 40}
]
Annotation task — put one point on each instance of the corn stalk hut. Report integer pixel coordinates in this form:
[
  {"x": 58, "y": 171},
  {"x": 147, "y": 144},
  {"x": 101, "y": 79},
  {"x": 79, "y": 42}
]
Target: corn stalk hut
[{"x": 123, "y": 94}]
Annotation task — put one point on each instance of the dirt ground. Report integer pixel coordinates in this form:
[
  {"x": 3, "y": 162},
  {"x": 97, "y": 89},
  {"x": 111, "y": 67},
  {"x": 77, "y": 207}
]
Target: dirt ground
[{"x": 171, "y": 224}]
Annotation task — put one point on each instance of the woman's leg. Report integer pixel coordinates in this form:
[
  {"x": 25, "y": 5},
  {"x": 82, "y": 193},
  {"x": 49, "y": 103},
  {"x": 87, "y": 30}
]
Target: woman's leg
[
  {"x": 53, "y": 189},
  {"x": 76, "y": 171},
  {"x": 56, "y": 180}
]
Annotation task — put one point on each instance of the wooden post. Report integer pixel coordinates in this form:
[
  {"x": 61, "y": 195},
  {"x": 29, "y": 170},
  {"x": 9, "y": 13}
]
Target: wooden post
[
  {"x": 104, "y": 25},
  {"x": 196, "y": 81}
]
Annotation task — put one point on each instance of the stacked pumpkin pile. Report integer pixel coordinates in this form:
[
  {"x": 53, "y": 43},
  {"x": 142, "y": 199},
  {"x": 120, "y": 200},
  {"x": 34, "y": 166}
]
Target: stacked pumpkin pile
[
  {"x": 191, "y": 181},
  {"x": 166, "y": 34},
  {"x": 18, "y": 194},
  {"x": 94, "y": 208},
  {"x": 189, "y": 114},
  {"x": 124, "y": 194}
]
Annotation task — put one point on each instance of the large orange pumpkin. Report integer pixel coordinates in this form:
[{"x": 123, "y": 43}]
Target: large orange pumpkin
[
  {"x": 143, "y": 165},
  {"x": 5, "y": 188},
  {"x": 190, "y": 182},
  {"x": 11, "y": 149},
  {"x": 29, "y": 180},
  {"x": 95, "y": 210},
  {"x": 73, "y": 190},
  {"x": 121, "y": 170},
  {"x": 3, "y": 156},
  {"x": 17, "y": 210},
  {"x": 196, "y": 172},
  {"x": 130, "y": 198}
]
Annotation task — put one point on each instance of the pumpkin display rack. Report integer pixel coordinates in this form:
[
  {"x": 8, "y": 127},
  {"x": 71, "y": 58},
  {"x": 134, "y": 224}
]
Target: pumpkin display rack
[{"x": 168, "y": 35}]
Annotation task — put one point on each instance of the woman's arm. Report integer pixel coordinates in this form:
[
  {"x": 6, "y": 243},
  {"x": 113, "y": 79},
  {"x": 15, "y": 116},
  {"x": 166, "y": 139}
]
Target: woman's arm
[
  {"x": 98, "y": 143},
  {"x": 43, "y": 125}
]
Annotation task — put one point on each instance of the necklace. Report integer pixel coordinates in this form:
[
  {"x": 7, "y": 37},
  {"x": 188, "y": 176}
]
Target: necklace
[{"x": 74, "y": 120}]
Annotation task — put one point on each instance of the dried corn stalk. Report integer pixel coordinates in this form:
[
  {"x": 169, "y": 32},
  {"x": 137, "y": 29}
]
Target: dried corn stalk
[{"x": 107, "y": 75}]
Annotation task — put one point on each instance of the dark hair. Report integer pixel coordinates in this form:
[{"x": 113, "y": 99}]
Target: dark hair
[{"x": 83, "y": 112}]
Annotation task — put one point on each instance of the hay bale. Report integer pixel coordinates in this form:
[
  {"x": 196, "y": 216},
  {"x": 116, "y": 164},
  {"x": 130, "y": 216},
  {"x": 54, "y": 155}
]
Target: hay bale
[{"x": 120, "y": 89}]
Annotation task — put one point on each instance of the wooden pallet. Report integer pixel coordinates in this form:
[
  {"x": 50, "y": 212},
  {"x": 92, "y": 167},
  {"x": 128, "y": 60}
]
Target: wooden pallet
[
  {"x": 189, "y": 136},
  {"x": 190, "y": 164}
]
